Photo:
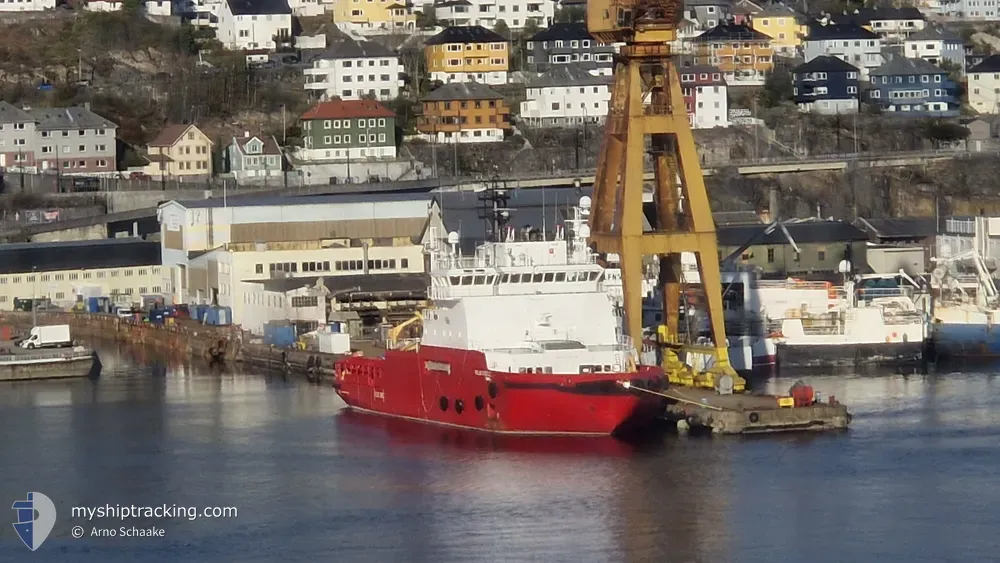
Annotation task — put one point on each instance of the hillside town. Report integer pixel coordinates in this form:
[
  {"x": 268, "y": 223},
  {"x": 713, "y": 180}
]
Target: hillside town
[{"x": 365, "y": 88}]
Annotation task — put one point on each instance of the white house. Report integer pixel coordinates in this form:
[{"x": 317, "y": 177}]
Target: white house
[
  {"x": 153, "y": 7},
  {"x": 514, "y": 13},
  {"x": 255, "y": 24},
  {"x": 935, "y": 45},
  {"x": 984, "y": 85},
  {"x": 848, "y": 42},
  {"x": 348, "y": 68},
  {"x": 566, "y": 95},
  {"x": 27, "y": 5},
  {"x": 705, "y": 95},
  {"x": 307, "y": 8},
  {"x": 965, "y": 10},
  {"x": 101, "y": 6},
  {"x": 892, "y": 24}
]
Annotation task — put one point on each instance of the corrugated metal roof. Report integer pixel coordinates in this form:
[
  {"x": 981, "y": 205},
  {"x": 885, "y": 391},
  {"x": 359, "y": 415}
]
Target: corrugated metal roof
[
  {"x": 341, "y": 109},
  {"x": 68, "y": 118},
  {"x": 78, "y": 255},
  {"x": 303, "y": 200},
  {"x": 568, "y": 75},
  {"x": 463, "y": 91},
  {"x": 805, "y": 232},
  {"x": 825, "y": 63},
  {"x": 563, "y": 32},
  {"x": 466, "y": 34}
]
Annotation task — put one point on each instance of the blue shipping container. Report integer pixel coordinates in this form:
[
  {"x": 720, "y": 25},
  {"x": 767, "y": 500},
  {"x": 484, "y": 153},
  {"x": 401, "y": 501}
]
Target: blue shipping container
[
  {"x": 225, "y": 316},
  {"x": 281, "y": 336},
  {"x": 210, "y": 316},
  {"x": 93, "y": 305}
]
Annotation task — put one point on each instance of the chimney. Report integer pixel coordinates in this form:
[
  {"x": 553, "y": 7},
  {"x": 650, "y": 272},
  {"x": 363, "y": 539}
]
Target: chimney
[
  {"x": 246, "y": 133},
  {"x": 774, "y": 203},
  {"x": 86, "y": 106}
]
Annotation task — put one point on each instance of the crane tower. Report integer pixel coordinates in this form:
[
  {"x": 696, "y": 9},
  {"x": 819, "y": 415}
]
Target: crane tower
[{"x": 647, "y": 114}]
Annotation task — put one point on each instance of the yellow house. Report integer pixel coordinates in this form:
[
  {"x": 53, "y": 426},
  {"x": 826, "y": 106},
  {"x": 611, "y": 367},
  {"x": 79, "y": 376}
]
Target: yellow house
[
  {"x": 782, "y": 25},
  {"x": 468, "y": 54},
  {"x": 179, "y": 150},
  {"x": 373, "y": 16}
]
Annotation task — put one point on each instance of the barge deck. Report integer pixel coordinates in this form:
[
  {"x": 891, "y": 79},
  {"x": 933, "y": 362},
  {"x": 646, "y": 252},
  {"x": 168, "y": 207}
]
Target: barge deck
[{"x": 693, "y": 408}]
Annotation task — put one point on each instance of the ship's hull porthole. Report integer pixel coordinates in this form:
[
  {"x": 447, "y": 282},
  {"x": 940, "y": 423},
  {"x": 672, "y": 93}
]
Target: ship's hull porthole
[
  {"x": 443, "y": 403},
  {"x": 492, "y": 388},
  {"x": 459, "y": 406},
  {"x": 480, "y": 403}
]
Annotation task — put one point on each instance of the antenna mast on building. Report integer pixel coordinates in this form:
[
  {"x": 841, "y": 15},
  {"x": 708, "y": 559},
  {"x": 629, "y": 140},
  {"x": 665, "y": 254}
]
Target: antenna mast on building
[{"x": 493, "y": 208}]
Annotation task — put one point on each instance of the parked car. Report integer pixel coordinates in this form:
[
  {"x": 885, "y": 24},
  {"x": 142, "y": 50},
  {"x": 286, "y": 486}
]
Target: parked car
[{"x": 124, "y": 313}]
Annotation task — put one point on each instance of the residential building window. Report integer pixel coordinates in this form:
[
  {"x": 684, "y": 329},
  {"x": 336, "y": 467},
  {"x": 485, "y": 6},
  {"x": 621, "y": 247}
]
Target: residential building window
[
  {"x": 821, "y": 255},
  {"x": 770, "y": 255}
]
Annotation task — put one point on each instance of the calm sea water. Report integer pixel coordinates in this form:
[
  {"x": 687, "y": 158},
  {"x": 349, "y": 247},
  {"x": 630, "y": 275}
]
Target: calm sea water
[{"x": 916, "y": 479}]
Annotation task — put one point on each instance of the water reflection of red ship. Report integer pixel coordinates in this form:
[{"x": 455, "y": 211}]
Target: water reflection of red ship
[{"x": 399, "y": 432}]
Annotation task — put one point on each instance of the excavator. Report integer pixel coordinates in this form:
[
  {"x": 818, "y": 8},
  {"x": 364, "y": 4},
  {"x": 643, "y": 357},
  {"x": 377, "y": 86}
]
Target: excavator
[{"x": 648, "y": 122}]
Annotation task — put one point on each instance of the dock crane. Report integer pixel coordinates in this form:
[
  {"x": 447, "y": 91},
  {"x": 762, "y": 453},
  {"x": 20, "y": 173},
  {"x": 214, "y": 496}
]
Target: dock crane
[{"x": 647, "y": 114}]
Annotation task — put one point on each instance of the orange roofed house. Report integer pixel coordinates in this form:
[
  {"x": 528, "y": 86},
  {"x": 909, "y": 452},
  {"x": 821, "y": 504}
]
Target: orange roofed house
[
  {"x": 464, "y": 112},
  {"x": 178, "y": 151},
  {"x": 347, "y": 130},
  {"x": 744, "y": 56}
]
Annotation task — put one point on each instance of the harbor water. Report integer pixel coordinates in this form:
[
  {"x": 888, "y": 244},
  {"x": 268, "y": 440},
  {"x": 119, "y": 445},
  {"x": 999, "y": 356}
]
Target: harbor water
[{"x": 915, "y": 479}]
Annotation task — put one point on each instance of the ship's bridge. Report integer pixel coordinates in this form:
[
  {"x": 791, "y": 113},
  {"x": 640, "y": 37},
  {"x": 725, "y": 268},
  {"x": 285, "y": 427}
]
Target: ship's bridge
[{"x": 517, "y": 268}]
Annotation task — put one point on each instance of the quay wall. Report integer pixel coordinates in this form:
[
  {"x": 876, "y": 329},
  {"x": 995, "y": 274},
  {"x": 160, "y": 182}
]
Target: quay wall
[
  {"x": 187, "y": 338},
  {"x": 192, "y": 340}
]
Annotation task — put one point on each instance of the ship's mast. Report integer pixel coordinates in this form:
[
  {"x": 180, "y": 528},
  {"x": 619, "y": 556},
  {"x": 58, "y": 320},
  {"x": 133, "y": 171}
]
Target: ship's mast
[{"x": 493, "y": 208}]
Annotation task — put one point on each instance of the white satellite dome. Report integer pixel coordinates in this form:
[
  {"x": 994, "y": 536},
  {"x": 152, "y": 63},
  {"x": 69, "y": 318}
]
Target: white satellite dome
[
  {"x": 585, "y": 202},
  {"x": 584, "y": 231},
  {"x": 453, "y": 237}
]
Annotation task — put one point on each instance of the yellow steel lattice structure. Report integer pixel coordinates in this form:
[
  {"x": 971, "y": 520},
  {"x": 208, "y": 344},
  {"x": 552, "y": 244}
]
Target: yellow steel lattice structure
[{"x": 647, "y": 115}]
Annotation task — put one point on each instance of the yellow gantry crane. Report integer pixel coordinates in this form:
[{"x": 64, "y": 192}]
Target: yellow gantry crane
[{"x": 647, "y": 115}]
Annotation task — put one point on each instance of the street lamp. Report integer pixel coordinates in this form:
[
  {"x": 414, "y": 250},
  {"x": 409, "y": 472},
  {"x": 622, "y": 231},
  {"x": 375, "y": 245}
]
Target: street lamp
[{"x": 34, "y": 296}]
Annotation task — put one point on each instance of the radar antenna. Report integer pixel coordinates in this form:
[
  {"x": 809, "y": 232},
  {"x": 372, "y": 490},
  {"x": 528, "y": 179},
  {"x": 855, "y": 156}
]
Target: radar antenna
[{"x": 493, "y": 208}]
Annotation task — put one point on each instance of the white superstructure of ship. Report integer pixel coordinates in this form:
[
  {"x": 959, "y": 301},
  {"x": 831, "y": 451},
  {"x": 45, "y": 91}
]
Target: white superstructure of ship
[{"x": 566, "y": 321}]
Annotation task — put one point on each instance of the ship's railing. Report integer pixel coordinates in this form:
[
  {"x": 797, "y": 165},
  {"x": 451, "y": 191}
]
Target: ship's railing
[
  {"x": 463, "y": 262},
  {"x": 786, "y": 284},
  {"x": 872, "y": 292},
  {"x": 821, "y": 326}
]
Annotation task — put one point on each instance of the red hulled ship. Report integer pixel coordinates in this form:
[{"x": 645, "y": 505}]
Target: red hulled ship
[{"x": 522, "y": 338}]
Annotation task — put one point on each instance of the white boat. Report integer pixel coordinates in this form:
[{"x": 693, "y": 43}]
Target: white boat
[
  {"x": 870, "y": 320},
  {"x": 967, "y": 310}
]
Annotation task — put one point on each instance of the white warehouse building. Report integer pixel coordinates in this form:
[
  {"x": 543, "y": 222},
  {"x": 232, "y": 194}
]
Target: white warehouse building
[{"x": 249, "y": 254}]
